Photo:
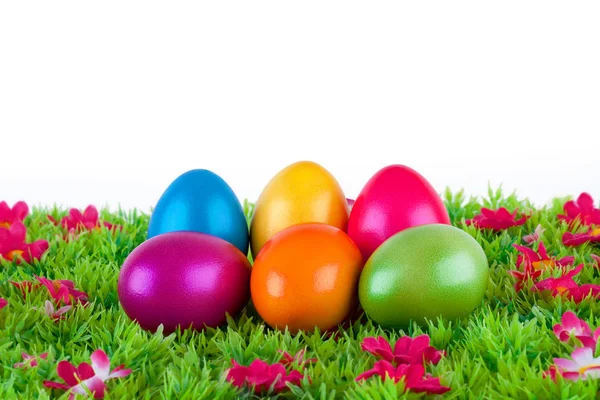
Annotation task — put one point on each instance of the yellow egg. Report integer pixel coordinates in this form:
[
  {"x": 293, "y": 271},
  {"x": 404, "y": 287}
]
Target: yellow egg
[{"x": 300, "y": 193}]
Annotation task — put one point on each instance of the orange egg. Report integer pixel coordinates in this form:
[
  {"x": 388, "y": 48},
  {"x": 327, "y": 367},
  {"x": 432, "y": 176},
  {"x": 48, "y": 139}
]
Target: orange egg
[{"x": 306, "y": 276}]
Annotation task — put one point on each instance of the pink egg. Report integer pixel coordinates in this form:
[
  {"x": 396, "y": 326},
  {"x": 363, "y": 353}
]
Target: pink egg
[
  {"x": 395, "y": 198},
  {"x": 186, "y": 279}
]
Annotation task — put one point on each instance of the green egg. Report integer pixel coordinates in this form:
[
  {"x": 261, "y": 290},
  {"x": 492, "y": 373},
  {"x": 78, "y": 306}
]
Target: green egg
[{"x": 423, "y": 273}]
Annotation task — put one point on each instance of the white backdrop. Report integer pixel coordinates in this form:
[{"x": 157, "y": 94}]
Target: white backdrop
[{"x": 107, "y": 102}]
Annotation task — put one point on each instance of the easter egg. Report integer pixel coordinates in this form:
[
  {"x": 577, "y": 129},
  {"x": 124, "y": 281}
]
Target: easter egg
[
  {"x": 201, "y": 201},
  {"x": 301, "y": 193},
  {"x": 306, "y": 276},
  {"x": 423, "y": 272},
  {"x": 395, "y": 198},
  {"x": 185, "y": 279}
]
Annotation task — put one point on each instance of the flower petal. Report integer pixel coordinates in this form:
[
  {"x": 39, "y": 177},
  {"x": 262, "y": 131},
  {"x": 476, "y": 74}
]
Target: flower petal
[{"x": 100, "y": 363}]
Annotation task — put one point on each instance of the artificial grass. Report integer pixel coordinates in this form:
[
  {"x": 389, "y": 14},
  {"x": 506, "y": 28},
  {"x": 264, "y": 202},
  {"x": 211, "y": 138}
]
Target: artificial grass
[{"x": 499, "y": 351}]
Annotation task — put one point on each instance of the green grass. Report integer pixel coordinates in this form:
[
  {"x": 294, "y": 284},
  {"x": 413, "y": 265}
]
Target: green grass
[{"x": 499, "y": 351}]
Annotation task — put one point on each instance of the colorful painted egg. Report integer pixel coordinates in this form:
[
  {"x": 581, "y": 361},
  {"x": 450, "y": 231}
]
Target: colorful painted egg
[
  {"x": 184, "y": 279},
  {"x": 301, "y": 193},
  {"x": 395, "y": 198},
  {"x": 201, "y": 201},
  {"x": 423, "y": 272},
  {"x": 306, "y": 276}
]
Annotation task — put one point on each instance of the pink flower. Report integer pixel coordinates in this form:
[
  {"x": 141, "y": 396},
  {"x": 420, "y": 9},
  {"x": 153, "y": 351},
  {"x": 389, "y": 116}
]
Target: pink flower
[
  {"x": 3, "y": 303},
  {"x": 261, "y": 376},
  {"x": 571, "y": 325},
  {"x": 560, "y": 285},
  {"x": 496, "y": 220},
  {"x": 583, "y": 365},
  {"x": 597, "y": 259},
  {"x": 535, "y": 236},
  {"x": 406, "y": 350},
  {"x": 581, "y": 292},
  {"x": 13, "y": 246},
  {"x": 583, "y": 210},
  {"x": 55, "y": 315},
  {"x": 540, "y": 259},
  {"x": 414, "y": 377},
  {"x": 287, "y": 359},
  {"x": 29, "y": 360},
  {"x": 9, "y": 216},
  {"x": 87, "y": 376},
  {"x": 63, "y": 290},
  {"x": 576, "y": 239},
  {"x": 77, "y": 221}
]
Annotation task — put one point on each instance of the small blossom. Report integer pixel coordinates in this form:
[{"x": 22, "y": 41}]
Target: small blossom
[
  {"x": 63, "y": 290},
  {"x": 3, "y": 303},
  {"x": 597, "y": 259},
  {"x": 29, "y": 360},
  {"x": 26, "y": 286},
  {"x": 541, "y": 259},
  {"x": 552, "y": 373},
  {"x": 406, "y": 350},
  {"x": 92, "y": 377},
  {"x": 287, "y": 359},
  {"x": 582, "y": 210},
  {"x": 535, "y": 236},
  {"x": 529, "y": 273},
  {"x": 497, "y": 220},
  {"x": 9, "y": 216},
  {"x": 576, "y": 239},
  {"x": 55, "y": 315},
  {"x": 415, "y": 379},
  {"x": 12, "y": 244},
  {"x": 582, "y": 365},
  {"x": 76, "y": 221},
  {"x": 261, "y": 376}
]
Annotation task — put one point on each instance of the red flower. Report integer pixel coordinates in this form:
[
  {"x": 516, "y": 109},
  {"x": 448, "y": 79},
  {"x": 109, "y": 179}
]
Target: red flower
[
  {"x": 576, "y": 239},
  {"x": 583, "y": 210},
  {"x": 413, "y": 375},
  {"x": 540, "y": 259},
  {"x": 87, "y": 376},
  {"x": 86, "y": 221},
  {"x": 3, "y": 303},
  {"x": 497, "y": 220},
  {"x": 262, "y": 376},
  {"x": 579, "y": 293},
  {"x": 529, "y": 273},
  {"x": 29, "y": 360},
  {"x": 535, "y": 236},
  {"x": 287, "y": 359},
  {"x": 25, "y": 286},
  {"x": 9, "y": 216},
  {"x": 63, "y": 290},
  {"x": 560, "y": 285},
  {"x": 12, "y": 244},
  {"x": 406, "y": 351}
]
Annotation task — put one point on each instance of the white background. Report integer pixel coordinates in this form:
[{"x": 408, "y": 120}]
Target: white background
[{"x": 107, "y": 102}]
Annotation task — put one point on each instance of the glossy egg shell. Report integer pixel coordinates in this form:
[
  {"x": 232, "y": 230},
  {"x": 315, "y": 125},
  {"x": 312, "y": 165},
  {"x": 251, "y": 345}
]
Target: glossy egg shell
[
  {"x": 395, "y": 198},
  {"x": 201, "y": 201},
  {"x": 183, "y": 279},
  {"x": 424, "y": 272},
  {"x": 300, "y": 193},
  {"x": 306, "y": 276}
]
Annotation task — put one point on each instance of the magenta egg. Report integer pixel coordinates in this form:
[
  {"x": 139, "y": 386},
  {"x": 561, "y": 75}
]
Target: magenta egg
[
  {"x": 186, "y": 279},
  {"x": 395, "y": 198}
]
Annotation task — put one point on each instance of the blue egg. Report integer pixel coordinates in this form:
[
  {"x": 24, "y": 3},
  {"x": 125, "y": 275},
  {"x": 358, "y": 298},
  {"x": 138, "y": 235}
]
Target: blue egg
[{"x": 201, "y": 201}]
